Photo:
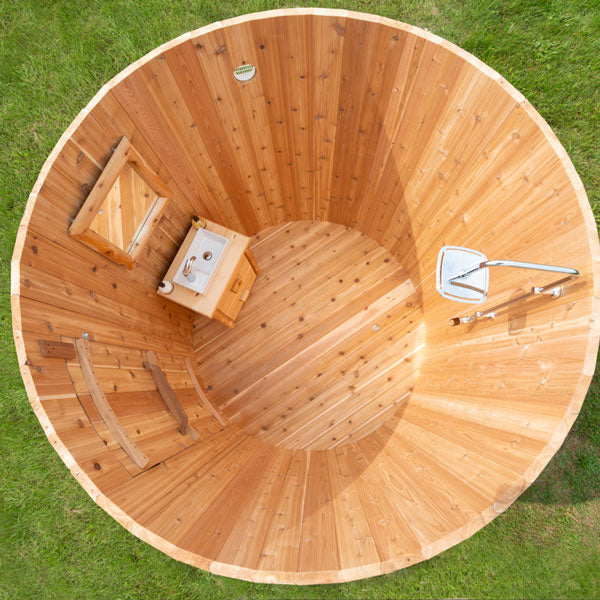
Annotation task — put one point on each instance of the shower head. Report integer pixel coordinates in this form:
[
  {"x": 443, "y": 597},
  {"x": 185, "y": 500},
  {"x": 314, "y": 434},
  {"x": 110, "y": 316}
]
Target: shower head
[{"x": 472, "y": 287}]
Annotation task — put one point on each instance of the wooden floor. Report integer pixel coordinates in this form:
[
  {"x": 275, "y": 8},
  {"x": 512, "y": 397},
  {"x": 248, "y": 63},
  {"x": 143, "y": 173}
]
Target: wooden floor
[{"x": 328, "y": 345}]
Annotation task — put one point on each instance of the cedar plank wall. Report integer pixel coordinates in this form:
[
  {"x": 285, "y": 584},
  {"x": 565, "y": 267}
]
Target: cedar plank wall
[
  {"x": 351, "y": 119},
  {"x": 64, "y": 288}
]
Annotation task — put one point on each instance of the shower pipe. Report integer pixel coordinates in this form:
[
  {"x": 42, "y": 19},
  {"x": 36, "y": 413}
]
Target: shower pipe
[{"x": 553, "y": 289}]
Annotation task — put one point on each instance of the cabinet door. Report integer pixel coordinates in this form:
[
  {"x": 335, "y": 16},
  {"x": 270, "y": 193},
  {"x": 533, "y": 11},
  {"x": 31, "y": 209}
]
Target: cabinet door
[{"x": 238, "y": 289}]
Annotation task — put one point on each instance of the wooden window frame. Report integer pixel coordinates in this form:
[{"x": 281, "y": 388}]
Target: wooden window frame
[{"x": 123, "y": 155}]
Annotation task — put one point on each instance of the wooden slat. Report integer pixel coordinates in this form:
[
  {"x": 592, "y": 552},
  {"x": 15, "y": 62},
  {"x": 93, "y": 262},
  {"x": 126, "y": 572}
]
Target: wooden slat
[
  {"x": 207, "y": 403},
  {"x": 318, "y": 541},
  {"x": 108, "y": 416},
  {"x": 169, "y": 397}
]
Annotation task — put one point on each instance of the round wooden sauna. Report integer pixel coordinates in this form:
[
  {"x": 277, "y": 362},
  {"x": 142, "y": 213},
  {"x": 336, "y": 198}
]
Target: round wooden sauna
[{"x": 342, "y": 428}]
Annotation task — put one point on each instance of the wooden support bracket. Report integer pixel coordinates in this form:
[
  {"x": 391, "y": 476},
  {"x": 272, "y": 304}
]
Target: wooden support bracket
[
  {"x": 169, "y": 397},
  {"x": 54, "y": 349},
  {"x": 213, "y": 411},
  {"x": 106, "y": 412}
]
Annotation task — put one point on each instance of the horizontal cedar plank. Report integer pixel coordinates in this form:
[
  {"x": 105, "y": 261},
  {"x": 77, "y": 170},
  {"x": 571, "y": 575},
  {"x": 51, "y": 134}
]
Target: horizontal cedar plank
[
  {"x": 109, "y": 280},
  {"x": 487, "y": 476},
  {"x": 43, "y": 287},
  {"x": 40, "y": 318},
  {"x": 511, "y": 450}
]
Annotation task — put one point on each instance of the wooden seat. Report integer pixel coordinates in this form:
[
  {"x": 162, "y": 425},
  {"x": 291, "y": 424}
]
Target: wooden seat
[{"x": 344, "y": 429}]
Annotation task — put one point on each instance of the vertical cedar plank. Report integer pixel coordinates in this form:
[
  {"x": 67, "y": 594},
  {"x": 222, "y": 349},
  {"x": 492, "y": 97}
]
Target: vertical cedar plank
[{"x": 318, "y": 541}]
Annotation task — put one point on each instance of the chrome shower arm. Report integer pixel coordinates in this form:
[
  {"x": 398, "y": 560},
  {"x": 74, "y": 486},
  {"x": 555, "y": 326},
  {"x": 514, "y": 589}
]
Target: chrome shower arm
[{"x": 515, "y": 263}]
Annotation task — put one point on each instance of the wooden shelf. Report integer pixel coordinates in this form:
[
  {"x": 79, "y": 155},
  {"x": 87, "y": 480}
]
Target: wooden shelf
[{"x": 123, "y": 208}]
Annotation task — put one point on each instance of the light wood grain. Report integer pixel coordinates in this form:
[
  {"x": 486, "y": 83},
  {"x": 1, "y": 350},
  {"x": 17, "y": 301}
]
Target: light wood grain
[
  {"x": 213, "y": 411},
  {"x": 317, "y": 371}
]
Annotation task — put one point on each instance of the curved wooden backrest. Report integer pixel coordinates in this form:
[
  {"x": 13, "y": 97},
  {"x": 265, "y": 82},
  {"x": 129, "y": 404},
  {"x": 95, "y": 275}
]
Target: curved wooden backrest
[{"x": 361, "y": 121}]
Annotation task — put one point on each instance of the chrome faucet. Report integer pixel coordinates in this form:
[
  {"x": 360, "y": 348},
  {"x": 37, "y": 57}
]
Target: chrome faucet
[{"x": 187, "y": 267}]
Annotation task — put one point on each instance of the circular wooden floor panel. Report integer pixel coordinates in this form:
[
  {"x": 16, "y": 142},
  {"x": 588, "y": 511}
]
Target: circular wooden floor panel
[{"x": 326, "y": 348}]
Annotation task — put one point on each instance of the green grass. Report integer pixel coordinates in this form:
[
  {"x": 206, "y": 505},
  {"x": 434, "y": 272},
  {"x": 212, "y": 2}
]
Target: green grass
[{"x": 54, "y": 541}]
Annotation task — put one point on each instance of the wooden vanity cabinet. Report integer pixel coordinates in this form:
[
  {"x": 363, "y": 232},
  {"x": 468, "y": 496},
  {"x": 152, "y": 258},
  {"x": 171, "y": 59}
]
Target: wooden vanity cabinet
[{"x": 230, "y": 284}]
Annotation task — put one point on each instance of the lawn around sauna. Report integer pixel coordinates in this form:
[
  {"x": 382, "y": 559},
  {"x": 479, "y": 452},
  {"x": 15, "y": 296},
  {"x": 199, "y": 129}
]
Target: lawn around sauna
[{"x": 54, "y": 541}]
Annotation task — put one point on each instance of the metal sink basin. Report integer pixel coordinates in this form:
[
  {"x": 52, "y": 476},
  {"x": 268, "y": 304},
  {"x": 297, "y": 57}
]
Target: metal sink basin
[{"x": 201, "y": 261}]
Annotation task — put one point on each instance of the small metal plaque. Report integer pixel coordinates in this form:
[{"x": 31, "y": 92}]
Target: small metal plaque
[{"x": 245, "y": 72}]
